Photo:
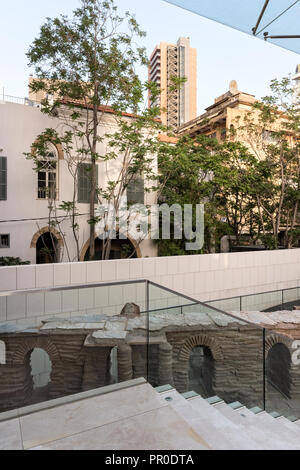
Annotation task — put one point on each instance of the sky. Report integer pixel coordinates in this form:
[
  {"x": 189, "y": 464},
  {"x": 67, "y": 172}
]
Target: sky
[{"x": 223, "y": 54}]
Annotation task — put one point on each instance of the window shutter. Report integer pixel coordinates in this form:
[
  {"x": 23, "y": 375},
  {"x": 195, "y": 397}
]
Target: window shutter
[
  {"x": 84, "y": 182},
  {"x": 135, "y": 191},
  {"x": 3, "y": 178}
]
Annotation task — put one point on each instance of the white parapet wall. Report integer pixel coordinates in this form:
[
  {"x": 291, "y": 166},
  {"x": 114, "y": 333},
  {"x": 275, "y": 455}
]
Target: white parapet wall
[{"x": 203, "y": 277}]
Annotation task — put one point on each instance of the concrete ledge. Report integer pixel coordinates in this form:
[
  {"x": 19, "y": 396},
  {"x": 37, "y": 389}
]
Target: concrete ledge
[{"x": 27, "y": 410}]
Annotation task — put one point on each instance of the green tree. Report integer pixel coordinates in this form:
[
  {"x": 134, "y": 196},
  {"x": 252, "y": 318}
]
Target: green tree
[
  {"x": 186, "y": 177},
  {"x": 272, "y": 131},
  {"x": 200, "y": 170}
]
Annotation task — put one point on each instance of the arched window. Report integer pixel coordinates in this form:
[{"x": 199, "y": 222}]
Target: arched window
[
  {"x": 47, "y": 171},
  {"x": 201, "y": 371},
  {"x": 2, "y": 353}
]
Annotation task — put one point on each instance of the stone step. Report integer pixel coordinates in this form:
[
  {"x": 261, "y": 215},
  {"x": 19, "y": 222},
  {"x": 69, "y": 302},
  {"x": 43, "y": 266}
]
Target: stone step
[
  {"x": 200, "y": 423},
  {"x": 292, "y": 420},
  {"x": 279, "y": 423},
  {"x": 259, "y": 429},
  {"x": 234, "y": 432},
  {"x": 233, "y": 426},
  {"x": 219, "y": 432},
  {"x": 260, "y": 432}
]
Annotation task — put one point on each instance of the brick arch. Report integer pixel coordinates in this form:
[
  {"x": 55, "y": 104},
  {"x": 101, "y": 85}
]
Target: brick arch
[
  {"x": 58, "y": 147},
  {"x": 43, "y": 230},
  {"x": 28, "y": 345},
  {"x": 199, "y": 340},
  {"x": 275, "y": 339},
  {"x": 134, "y": 244},
  {"x": 181, "y": 367}
]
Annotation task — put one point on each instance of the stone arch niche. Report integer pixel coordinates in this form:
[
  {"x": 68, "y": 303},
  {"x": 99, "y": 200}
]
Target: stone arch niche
[
  {"x": 212, "y": 355},
  {"x": 37, "y": 378},
  {"x": 22, "y": 360},
  {"x": 41, "y": 368},
  {"x": 278, "y": 368},
  {"x": 202, "y": 371}
]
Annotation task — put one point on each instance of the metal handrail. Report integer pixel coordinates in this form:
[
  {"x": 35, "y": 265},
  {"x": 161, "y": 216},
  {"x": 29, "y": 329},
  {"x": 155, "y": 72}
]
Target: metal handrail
[
  {"x": 19, "y": 100},
  {"x": 240, "y": 297}
]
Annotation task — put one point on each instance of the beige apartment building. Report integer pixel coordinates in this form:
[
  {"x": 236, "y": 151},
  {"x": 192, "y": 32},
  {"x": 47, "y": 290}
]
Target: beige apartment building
[
  {"x": 227, "y": 117},
  {"x": 221, "y": 115},
  {"x": 166, "y": 62}
]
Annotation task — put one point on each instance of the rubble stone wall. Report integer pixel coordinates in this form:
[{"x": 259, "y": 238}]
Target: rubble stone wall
[{"x": 237, "y": 351}]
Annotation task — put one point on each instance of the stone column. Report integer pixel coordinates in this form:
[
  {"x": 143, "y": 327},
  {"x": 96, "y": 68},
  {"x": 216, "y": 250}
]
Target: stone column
[
  {"x": 96, "y": 365},
  {"x": 139, "y": 361},
  {"x": 124, "y": 362},
  {"x": 165, "y": 369}
]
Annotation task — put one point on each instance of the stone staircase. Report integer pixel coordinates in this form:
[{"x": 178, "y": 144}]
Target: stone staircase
[{"x": 233, "y": 426}]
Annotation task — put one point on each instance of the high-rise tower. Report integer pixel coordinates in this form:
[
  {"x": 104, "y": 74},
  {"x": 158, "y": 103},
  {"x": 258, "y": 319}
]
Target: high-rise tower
[
  {"x": 296, "y": 79},
  {"x": 180, "y": 61}
]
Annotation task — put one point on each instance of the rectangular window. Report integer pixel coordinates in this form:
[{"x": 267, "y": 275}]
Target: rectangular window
[
  {"x": 84, "y": 182},
  {"x": 135, "y": 191},
  {"x": 47, "y": 187},
  {"x": 3, "y": 178},
  {"x": 4, "y": 240}
]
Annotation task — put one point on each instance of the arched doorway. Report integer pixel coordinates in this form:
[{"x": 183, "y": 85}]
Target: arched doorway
[
  {"x": 48, "y": 244},
  {"x": 47, "y": 249},
  {"x": 39, "y": 369},
  {"x": 201, "y": 371},
  {"x": 120, "y": 249},
  {"x": 278, "y": 370}
]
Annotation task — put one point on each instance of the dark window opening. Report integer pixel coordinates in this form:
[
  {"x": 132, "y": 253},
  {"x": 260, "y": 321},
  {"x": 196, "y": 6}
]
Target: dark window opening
[
  {"x": 4, "y": 241},
  {"x": 202, "y": 371},
  {"x": 3, "y": 178}
]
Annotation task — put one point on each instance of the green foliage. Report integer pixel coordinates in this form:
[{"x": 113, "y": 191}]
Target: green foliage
[
  {"x": 89, "y": 58},
  {"x": 273, "y": 136},
  {"x": 10, "y": 261},
  {"x": 199, "y": 170}
]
